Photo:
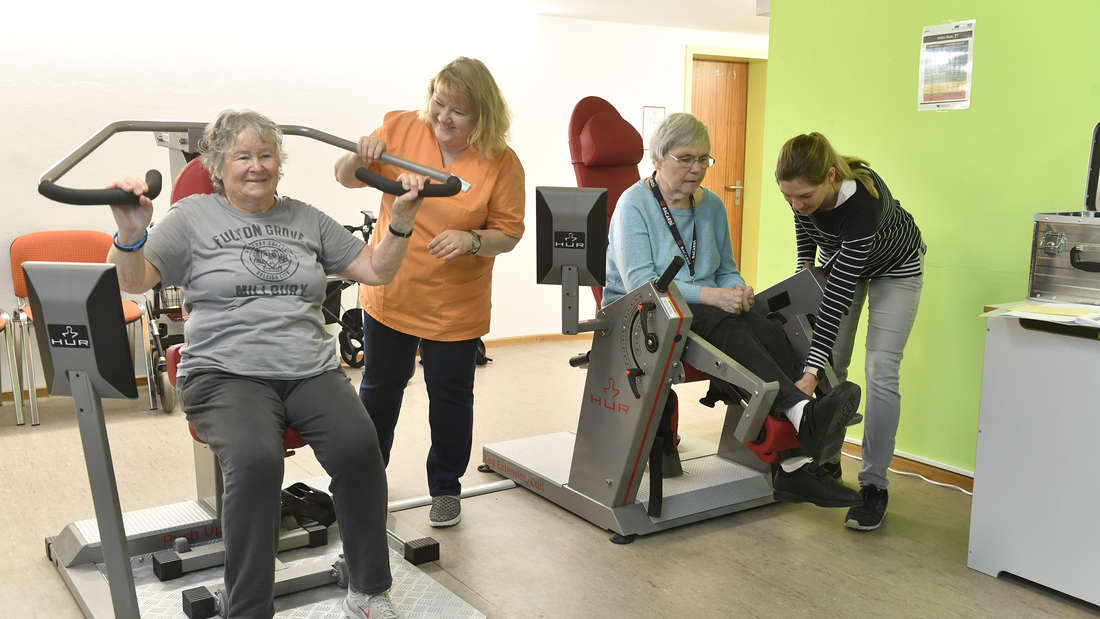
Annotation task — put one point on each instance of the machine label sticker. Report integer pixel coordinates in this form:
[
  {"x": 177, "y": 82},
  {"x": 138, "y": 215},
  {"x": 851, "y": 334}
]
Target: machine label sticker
[
  {"x": 665, "y": 303},
  {"x": 568, "y": 240},
  {"x": 68, "y": 336},
  {"x": 609, "y": 399}
]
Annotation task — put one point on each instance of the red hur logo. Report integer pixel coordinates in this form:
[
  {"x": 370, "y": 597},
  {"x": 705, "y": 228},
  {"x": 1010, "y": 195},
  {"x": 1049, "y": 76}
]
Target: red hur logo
[{"x": 609, "y": 399}]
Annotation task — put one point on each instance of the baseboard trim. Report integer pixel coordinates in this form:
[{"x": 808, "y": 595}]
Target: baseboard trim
[
  {"x": 535, "y": 339},
  {"x": 909, "y": 463},
  {"x": 43, "y": 392}
]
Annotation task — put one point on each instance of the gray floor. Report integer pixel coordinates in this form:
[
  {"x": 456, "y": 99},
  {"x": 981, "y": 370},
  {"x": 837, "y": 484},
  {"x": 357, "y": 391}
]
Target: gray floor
[{"x": 516, "y": 555}]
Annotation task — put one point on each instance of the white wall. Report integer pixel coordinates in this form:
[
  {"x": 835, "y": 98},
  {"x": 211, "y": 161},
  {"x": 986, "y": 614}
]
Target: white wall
[{"x": 68, "y": 72}]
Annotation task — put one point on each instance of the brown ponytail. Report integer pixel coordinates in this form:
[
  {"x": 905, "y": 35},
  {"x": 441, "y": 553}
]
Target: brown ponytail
[{"x": 809, "y": 157}]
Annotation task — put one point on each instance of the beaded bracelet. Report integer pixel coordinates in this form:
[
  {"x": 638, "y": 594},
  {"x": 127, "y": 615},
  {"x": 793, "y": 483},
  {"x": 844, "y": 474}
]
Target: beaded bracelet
[{"x": 133, "y": 247}]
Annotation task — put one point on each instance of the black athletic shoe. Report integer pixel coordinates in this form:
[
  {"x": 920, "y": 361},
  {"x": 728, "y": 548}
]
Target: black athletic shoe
[
  {"x": 832, "y": 469},
  {"x": 811, "y": 484},
  {"x": 825, "y": 418},
  {"x": 869, "y": 515}
]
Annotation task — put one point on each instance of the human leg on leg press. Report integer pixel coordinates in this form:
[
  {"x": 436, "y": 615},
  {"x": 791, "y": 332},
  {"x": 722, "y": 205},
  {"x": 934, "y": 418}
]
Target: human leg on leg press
[{"x": 751, "y": 340}]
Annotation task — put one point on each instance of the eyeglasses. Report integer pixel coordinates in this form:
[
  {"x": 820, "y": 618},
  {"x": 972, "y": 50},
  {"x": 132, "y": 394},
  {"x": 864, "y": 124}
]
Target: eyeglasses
[{"x": 705, "y": 161}]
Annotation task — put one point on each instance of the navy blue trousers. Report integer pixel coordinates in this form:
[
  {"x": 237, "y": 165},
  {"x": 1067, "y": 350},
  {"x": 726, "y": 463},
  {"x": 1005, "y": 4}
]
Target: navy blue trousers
[{"x": 389, "y": 358}]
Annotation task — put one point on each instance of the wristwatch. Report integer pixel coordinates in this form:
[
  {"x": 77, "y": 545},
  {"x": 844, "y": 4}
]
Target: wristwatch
[
  {"x": 809, "y": 369},
  {"x": 476, "y": 247}
]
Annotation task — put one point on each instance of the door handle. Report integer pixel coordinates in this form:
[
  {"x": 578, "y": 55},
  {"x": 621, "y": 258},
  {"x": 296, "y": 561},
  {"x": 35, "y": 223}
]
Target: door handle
[{"x": 736, "y": 189}]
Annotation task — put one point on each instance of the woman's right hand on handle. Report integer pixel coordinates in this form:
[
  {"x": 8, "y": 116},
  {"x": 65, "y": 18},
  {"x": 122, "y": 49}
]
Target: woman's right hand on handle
[
  {"x": 132, "y": 219},
  {"x": 370, "y": 148}
]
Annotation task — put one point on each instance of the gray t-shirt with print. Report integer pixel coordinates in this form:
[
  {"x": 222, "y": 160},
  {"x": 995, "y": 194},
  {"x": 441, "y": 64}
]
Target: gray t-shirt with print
[{"x": 253, "y": 284}]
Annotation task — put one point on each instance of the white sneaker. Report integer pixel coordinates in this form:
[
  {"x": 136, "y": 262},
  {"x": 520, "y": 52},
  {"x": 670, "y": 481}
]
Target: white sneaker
[{"x": 363, "y": 606}]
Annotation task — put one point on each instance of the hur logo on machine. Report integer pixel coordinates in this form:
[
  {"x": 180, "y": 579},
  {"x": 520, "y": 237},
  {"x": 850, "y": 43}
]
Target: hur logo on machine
[
  {"x": 69, "y": 336},
  {"x": 568, "y": 240},
  {"x": 609, "y": 399}
]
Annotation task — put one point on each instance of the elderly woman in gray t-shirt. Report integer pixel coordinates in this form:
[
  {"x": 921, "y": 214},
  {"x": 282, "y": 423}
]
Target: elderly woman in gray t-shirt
[{"x": 252, "y": 265}]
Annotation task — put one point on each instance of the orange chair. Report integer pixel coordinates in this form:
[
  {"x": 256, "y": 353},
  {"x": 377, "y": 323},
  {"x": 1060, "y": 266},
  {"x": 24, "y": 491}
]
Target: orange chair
[
  {"x": 605, "y": 151},
  {"x": 13, "y": 370},
  {"x": 63, "y": 246}
]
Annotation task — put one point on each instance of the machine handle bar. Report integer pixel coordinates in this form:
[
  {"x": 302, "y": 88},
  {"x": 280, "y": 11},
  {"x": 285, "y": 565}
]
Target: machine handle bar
[
  {"x": 449, "y": 188},
  {"x": 68, "y": 195},
  {"x": 48, "y": 187},
  {"x": 669, "y": 274}
]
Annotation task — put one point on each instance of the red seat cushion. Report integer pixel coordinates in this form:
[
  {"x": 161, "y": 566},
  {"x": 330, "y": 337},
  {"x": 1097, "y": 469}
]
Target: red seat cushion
[
  {"x": 608, "y": 140},
  {"x": 172, "y": 358},
  {"x": 779, "y": 435},
  {"x": 131, "y": 311},
  {"x": 291, "y": 438},
  {"x": 192, "y": 179}
]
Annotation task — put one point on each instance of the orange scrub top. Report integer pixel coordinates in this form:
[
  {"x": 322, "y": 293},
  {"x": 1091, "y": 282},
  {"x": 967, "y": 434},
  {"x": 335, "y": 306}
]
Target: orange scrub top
[{"x": 430, "y": 298}]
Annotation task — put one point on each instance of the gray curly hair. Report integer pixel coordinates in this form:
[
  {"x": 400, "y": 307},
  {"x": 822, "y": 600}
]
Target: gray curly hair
[{"x": 220, "y": 136}]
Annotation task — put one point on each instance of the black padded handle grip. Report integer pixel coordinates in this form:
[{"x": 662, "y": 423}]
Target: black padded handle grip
[
  {"x": 1078, "y": 261},
  {"x": 669, "y": 274},
  {"x": 68, "y": 195},
  {"x": 436, "y": 190}
]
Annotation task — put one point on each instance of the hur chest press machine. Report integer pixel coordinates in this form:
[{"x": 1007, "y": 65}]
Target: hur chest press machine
[
  {"x": 165, "y": 561},
  {"x": 643, "y": 344}
]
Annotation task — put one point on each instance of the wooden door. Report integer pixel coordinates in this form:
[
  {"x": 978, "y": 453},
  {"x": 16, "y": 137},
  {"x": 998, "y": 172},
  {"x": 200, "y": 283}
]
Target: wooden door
[{"x": 719, "y": 94}]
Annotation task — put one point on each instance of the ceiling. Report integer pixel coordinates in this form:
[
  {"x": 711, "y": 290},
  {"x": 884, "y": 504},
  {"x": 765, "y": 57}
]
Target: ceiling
[{"x": 724, "y": 15}]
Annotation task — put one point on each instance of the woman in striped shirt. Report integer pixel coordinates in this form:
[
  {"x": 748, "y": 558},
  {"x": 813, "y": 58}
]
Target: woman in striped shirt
[{"x": 870, "y": 248}]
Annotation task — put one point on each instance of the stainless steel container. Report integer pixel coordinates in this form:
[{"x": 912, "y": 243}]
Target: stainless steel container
[
  {"x": 1065, "y": 258},
  {"x": 1065, "y": 247}
]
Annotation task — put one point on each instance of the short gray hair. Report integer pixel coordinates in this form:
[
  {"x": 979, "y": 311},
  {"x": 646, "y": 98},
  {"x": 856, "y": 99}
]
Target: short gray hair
[
  {"x": 220, "y": 136},
  {"x": 680, "y": 129}
]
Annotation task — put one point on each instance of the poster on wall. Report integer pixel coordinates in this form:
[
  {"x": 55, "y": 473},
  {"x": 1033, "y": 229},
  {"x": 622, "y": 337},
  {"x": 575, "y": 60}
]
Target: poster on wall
[{"x": 946, "y": 66}]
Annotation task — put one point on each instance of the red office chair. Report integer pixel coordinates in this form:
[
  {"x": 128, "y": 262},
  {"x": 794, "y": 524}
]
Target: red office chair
[
  {"x": 605, "y": 150},
  {"x": 195, "y": 179},
  {"x": 63, "y": 246}
]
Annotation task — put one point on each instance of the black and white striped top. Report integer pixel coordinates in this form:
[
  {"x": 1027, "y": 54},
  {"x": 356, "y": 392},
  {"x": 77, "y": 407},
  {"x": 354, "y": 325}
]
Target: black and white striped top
[{"x": 862, "y": 238}]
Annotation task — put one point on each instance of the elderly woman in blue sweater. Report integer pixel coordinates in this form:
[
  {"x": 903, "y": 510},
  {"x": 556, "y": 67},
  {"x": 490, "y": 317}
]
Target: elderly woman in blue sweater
[{"x": 670, "y": 214}]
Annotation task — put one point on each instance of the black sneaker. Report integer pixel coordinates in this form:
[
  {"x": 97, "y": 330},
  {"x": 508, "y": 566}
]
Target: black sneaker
[
  {"x": 826, "y": 418},
  {"x": 811, "y": 484},
  {"x": 832, "y": 469},
  {"x": 868, "y": 517}
]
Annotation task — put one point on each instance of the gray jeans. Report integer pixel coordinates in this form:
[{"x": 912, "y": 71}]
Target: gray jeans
[
  {"x": 891, "y": 310},
  {"x": 242, "y": 419}
]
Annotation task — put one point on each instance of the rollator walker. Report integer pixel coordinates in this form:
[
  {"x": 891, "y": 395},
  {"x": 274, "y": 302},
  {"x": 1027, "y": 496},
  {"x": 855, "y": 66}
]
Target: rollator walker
[{"x": 621, "y": 468}]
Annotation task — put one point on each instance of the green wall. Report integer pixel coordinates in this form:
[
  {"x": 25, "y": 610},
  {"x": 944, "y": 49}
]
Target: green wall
[{"x": 972, "y": 178}]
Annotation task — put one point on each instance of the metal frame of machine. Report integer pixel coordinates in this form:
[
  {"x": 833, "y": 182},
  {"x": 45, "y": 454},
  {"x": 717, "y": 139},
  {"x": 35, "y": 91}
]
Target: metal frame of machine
[{"x": 640, "y": 345}]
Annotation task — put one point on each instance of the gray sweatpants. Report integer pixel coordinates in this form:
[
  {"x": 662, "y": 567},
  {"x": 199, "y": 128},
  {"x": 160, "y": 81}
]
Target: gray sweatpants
[
  {"x": 242, "y": 419},
  {"x": 891, "y": 310}
]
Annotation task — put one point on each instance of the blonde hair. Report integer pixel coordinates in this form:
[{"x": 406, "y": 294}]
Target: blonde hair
[
  {"x": 809, "y": 157},
  {"x": 469, "y": 79}
]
